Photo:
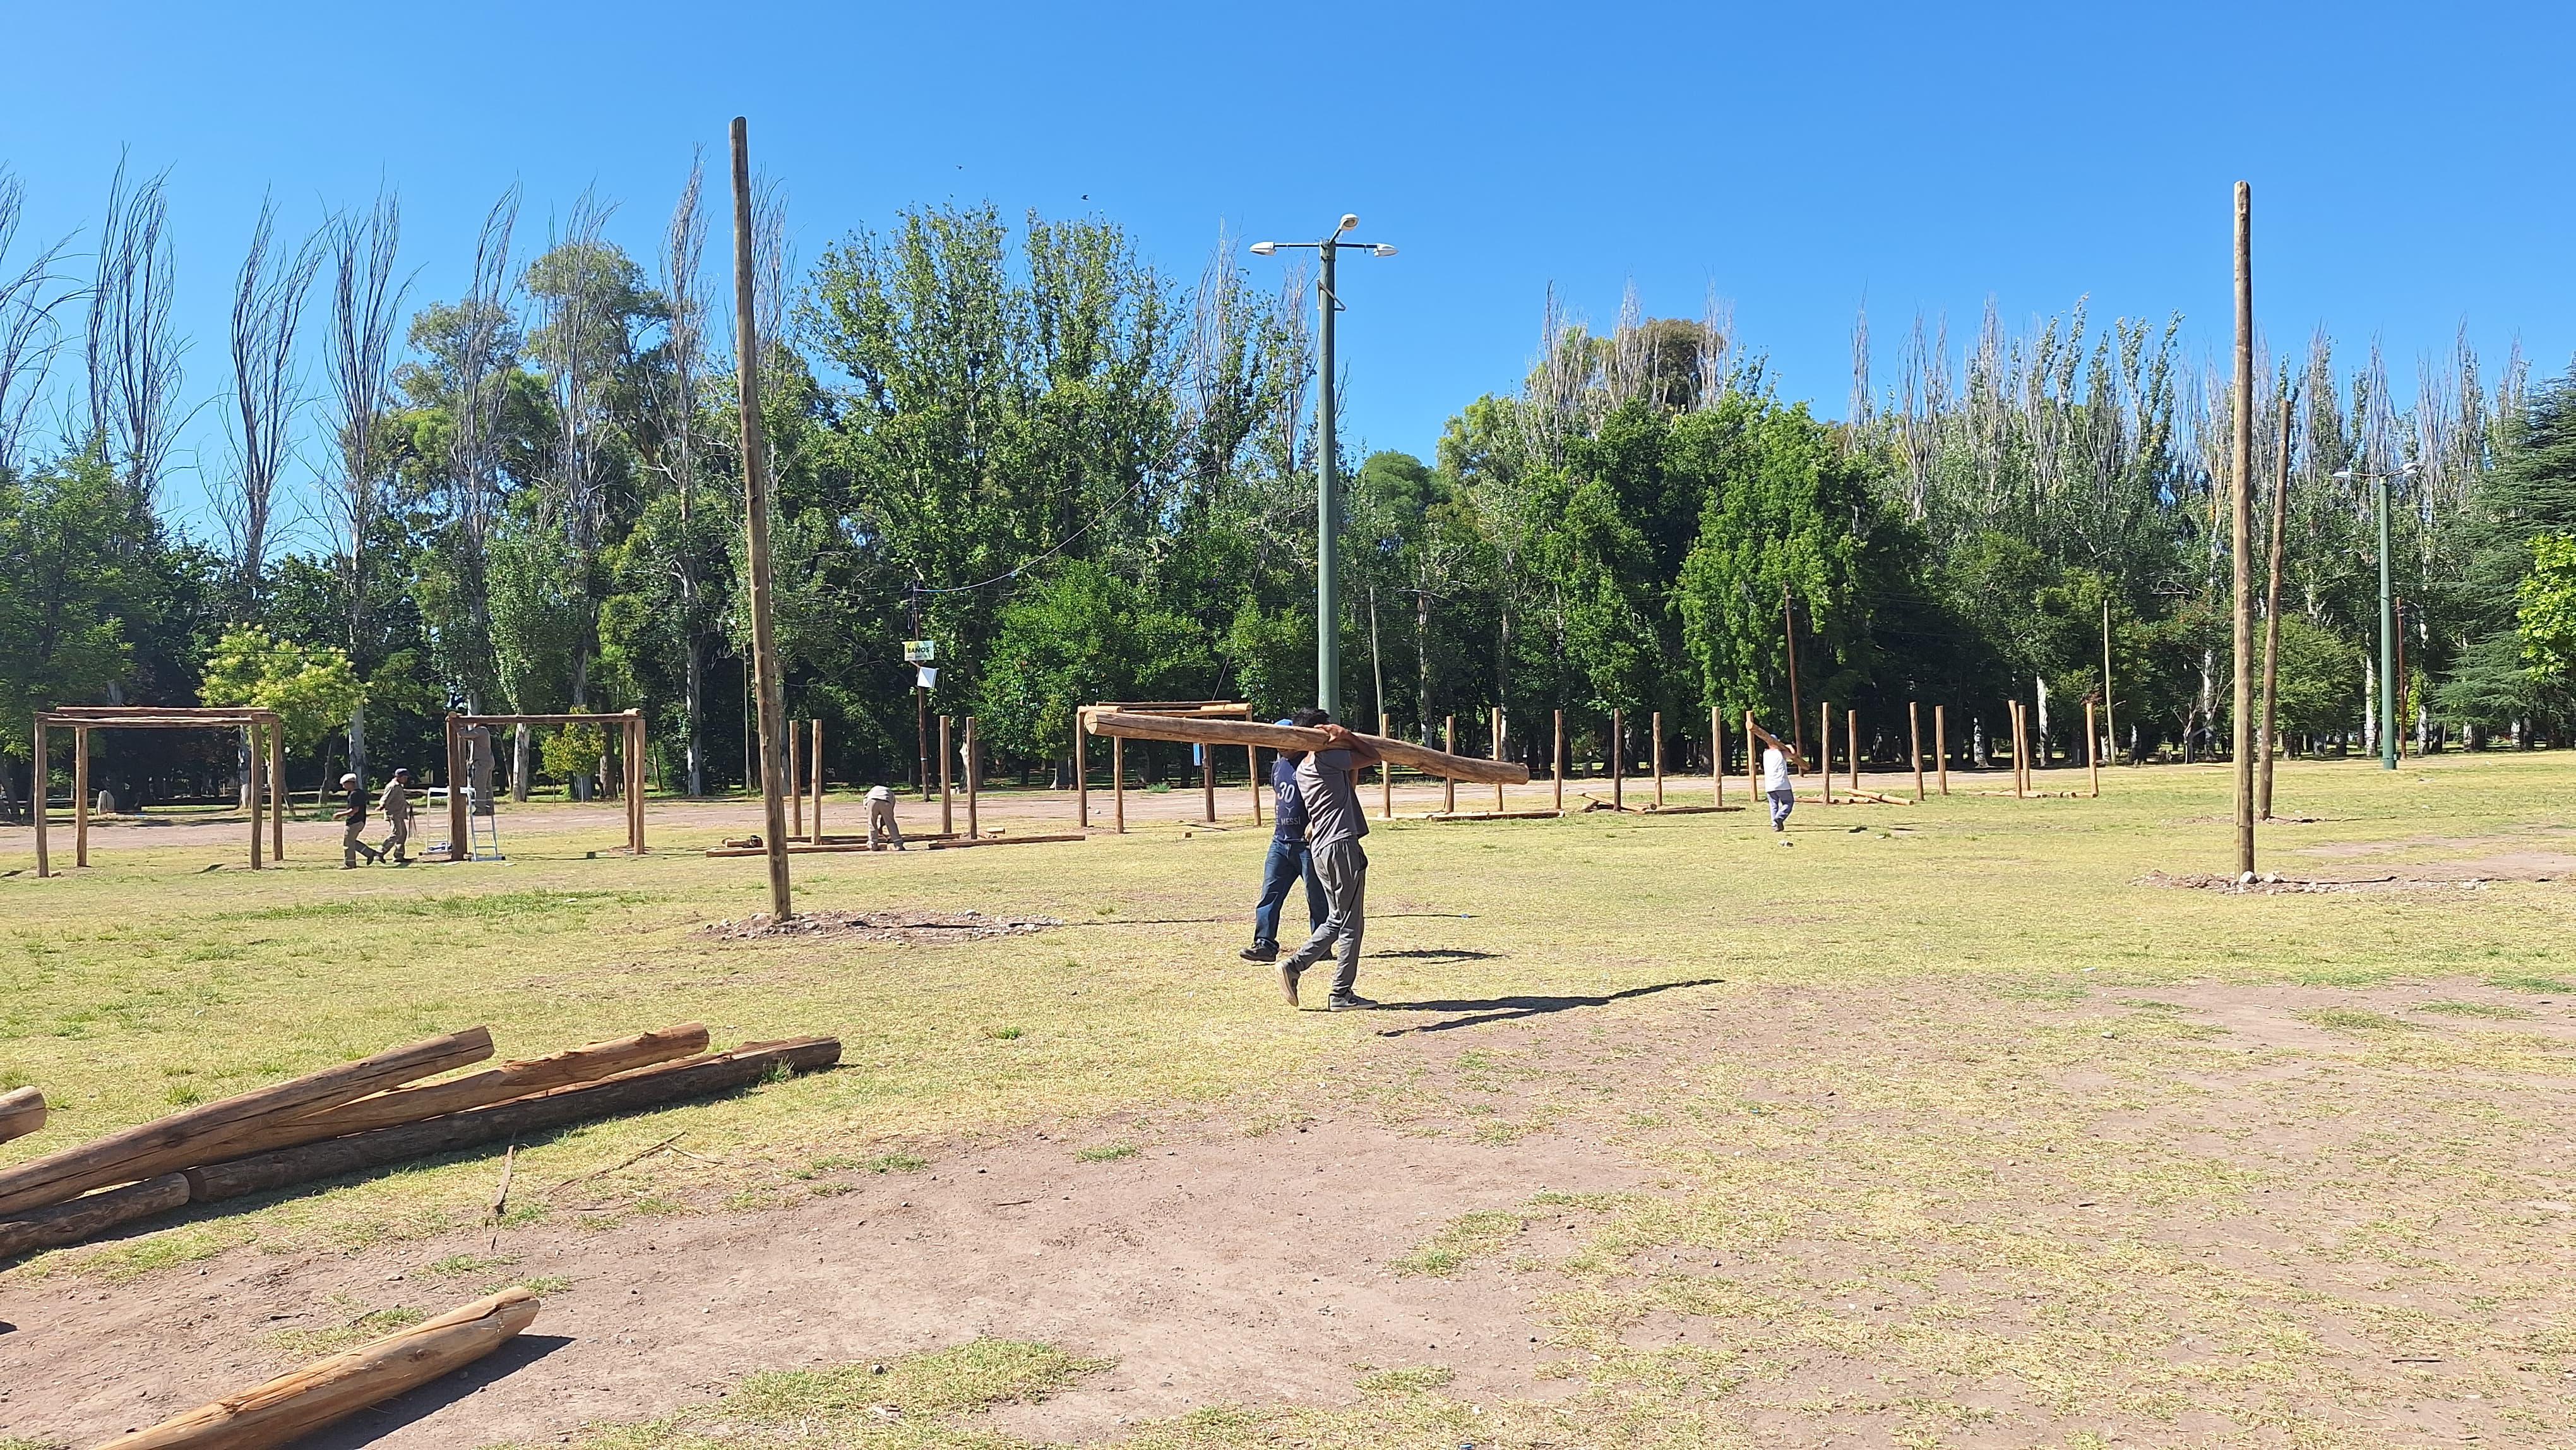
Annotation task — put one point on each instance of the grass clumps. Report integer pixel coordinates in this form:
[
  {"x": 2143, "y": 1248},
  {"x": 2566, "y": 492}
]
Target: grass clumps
[
  {"x": 2359, "y": 1019},
  {"x": 315, "y": 1343},
  {"x": 924, "y": 1401},
  {"x": 2472, "y": 1009},
  {"x": 1466, "y": 1239},
  {"x": 1106, "y": 1152}
]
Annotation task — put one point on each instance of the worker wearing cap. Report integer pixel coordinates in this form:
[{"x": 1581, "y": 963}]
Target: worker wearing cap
[
  {"x": 882, "y": 825},
  {"x": 396, "y": 805},
  {"x": 1289, "y": 860},
  {"x": 353, "y": 830}
]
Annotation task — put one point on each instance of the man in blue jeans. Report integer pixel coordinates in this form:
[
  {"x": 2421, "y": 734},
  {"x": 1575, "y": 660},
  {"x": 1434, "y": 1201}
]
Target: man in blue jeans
[{"x": 1288, "y": 861}]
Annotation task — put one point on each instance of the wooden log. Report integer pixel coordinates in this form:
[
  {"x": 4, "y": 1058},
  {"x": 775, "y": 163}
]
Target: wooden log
[
  {"x": 1914, "y": 746},
  {"x": 1385, "y": 772},
  {"x": 1825, "y": 746},
  {"x": 89, "y": 1216},
  {"x": 796, "y": 779},
  {"x": 1117, "y": 781},
  {"x": 1498, "y": 754},
  {"x": 1716, "y": 760},
  {"x": 22, "y": 1111},
  {"x": 1655, "y": 734},
  {"x": 974, "y": 779},
  {"x": 961, "y": 843},
  {"x": 1081, "y": 774},
  {"x": 1489, "y": 815},
  {"x": 1851, "y": 744},
  {"x": 1121, "y": 726},
  {"x": 80, "y": 799},
  {"x": 126, "y": 1156},
  {"x": 643, "y": 1088},
  {"x": 1252, "y": 776},
  {"x": 1618, "y": 766},
  {"x": 1556, "y": 764},
  {"x": 40, "y": 795},
  {"x": 947, "y": 786},
  {"x": 329, "y": 1390},
  {"x": 590, "y": 1062},
  {"x": 1941, "y": 744}
]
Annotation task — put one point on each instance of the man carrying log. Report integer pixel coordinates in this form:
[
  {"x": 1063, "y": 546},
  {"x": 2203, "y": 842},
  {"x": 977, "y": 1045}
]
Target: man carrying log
[
  {"x": 1327, "y": 784},
  {"x": 1290, "y": 860}
]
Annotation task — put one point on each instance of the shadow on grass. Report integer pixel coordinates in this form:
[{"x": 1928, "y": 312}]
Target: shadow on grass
[
  {"x": 1439, "y": 954},
  {"x": 1506, "y": 1009}
]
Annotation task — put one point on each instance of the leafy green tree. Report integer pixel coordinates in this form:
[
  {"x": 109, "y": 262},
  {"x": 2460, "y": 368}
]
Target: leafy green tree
[
  {"x": 313, "y": 689},
  {"x": 2545, "y": 608}
]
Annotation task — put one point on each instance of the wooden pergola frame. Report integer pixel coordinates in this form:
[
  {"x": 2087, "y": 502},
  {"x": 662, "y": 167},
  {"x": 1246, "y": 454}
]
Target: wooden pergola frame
[
  {"x": 630, "y": 724},
  {"x": 267, "y": 765},
  {"x": 1204, "y": 709}
]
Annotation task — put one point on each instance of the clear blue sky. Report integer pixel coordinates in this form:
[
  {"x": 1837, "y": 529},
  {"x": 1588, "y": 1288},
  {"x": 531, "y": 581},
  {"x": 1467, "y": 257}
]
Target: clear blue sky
[{"x": 1795, "y": 158}]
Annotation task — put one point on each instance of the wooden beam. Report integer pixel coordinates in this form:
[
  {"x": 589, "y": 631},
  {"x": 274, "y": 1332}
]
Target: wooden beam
[
  {"x": 1252, "y": 767},
  {"x": 1207, "y": 784},
  {"x": 1385, "y": 772},
  {"x": 796, "y": 778},
  {"x": 2092, "y": 749},
  {"x": 1449, "y": 743},
  {"x": 947, "y": 797},
  {"x": 22, "y": 1111},
  {"x": 258, "y": 768},
  {"x": 1498, "y": 754},
  {"x": 1117, "y": 778},
  {"x": 458, "y": 826},
  {"x": 1716, "y": 759},
  {"x": 1655, "y": 731},
  {"x": 1556, "y": 765},
  {"x": 1618, "y": 765},
  {"x": 1851, "y": 744},
  {"x": 1825, "y": 746},
  {"x": 974, "y": 772},
  {"x": 79, "y": 1219},
  {"x": 329, "y": 1390},
  {"x": 1914, "y": 745},
  {"x": 1941, "y": 744},
  {"x": 1290, "y": 737},
  {"x": 816, "y": 756},
  {"x": 1081, "y": 771},
  {"x": 277, "y": 792},
  {"x": 80, "y": 800}
]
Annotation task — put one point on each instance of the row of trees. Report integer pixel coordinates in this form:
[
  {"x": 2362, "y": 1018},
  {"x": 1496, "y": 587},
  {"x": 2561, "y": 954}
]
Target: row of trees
[{"x": 1087, "y": 480}]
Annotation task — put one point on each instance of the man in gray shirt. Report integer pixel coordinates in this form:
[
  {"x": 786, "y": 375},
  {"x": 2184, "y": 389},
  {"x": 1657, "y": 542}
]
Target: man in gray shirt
[{"x": 1327, "y": 781}]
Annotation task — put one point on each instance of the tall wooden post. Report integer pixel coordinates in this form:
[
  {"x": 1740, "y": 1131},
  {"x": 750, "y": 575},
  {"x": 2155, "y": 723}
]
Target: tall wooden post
[
  {"x": 1618, "y": 764},
  {"x": 1556, "y": 770},
  {"x": 1655, "y": 728},
  {"x": 2241, "y": 527},
  {"x": 635, "y": 785},
  {"x": 1449, "y": 743},
  {"x": 1557, "y": 766},
  {"x": 1914, "y": 745},
  {"x": 947, "y": 803},
  {"x": 1797, "y": 718},
  {"x": 796, "y": 777},
  {"x": 39, "y": 793},
  {"x": 815, "y": 770},
  {"x": 1385, "y": 773},
  {"x": 1825, "y": 746},
  {"x": 277, "y": 793},
  {"x": 1252, "y": 767},
  {"x": 1851, "y": 743},
  {"x": 755, "y": 492},
  {"x": 2021, "y": 753},
  {"x": 80, "y": 793},
  {"x": 2272, "y": 618},
  {"x": 1716, "y": 759},
  {"x": 1941, "y": 745},
  {"x": 1118, "y": 783},
  {"x": 1752, "y": 763},
  {"x": 974, "y": 774},
  {"x": 1081, "y": 771},
  {"x": 1207, "y": 779},
  {"x": 457, "y": 805},
  {"x": 2092, "y": 750},
  {"x": 1498, "y": 754},
  {"x": 258, "y": 768}
]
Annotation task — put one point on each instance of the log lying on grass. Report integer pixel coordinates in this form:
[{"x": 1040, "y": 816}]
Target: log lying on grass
[
  {"x": 22, "y": 1111},
  {"x": 1291, "y": 737},
  {"x": 590, "y": 1062},
  {"x": 644, "y": 1088},
  {"x": 135, "y": 1152},
  {"x": 90, "y": 1215},
  {"x": 332, "y": 1389}
]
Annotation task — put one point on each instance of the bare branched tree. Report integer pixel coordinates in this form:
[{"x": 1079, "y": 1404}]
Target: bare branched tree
[
  {"x": 268, "y": 310},
  {"x": 132, "y": 352},
  {"x": 365, "y": 301},
  {"x": 684, "y": 245},
  {"x": 482, "y": 364},
  {"x": 29, "y": 336}
]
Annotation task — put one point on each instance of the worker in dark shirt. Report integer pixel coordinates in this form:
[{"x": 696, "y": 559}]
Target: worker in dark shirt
[
  {"x": 353, "y": 821},
  {"x": 1289, "y": 860},
  {"x": 1327, "y": 779}
]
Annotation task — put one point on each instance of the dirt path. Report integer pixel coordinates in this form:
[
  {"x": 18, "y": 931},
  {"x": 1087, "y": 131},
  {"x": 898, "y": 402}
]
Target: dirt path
[{"x": 1214, "y": 1266}]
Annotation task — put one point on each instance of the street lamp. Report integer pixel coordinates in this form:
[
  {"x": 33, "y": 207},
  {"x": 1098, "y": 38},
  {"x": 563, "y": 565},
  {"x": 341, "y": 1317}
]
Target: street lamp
[
  {"x": 1328, "y": 486},
  {"x": 2387, "y": 617}
]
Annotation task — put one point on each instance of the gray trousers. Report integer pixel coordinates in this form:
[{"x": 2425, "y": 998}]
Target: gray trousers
[
  {"x": 1342, "y": 868},
  {"x": 353, "y": 843},
  {"x": 397, "y": 844},
  {"x": 882, "y": 826}
]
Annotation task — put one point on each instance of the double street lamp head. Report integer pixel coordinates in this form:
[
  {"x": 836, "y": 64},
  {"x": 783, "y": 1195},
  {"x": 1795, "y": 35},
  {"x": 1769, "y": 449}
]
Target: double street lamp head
[
  {"x": 2346, "y": 475},
  {"x": 1349, "y": 221}
]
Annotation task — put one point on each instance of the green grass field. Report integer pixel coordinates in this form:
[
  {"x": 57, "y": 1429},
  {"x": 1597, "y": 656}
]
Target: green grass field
[{"x": 1965, "y": 1106}]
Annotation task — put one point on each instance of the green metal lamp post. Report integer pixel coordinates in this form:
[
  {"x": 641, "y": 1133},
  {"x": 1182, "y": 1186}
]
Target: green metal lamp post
[{"x": 1328, "y": 486}]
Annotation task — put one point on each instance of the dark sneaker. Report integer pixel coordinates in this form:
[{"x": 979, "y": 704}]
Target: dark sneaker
[
  {"x": 1263, "y": 955},
  {"x": 1289, "y": 971},
  {"x": 1352, "y": 1003}
]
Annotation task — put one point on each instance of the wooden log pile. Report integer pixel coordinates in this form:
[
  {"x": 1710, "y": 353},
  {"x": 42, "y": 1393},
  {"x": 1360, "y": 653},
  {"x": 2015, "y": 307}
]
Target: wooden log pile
[{"x": 362, "y": 1115}]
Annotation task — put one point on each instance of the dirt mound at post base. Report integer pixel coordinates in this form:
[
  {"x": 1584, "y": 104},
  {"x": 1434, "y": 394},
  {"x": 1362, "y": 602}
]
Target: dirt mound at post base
[{"x": 907, "y": 927}]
